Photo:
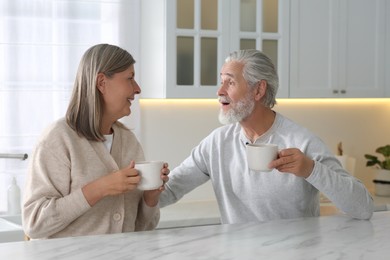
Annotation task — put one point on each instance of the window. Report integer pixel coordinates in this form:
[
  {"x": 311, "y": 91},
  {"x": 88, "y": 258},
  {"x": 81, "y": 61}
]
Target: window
[{"x": 41, "y": 43}]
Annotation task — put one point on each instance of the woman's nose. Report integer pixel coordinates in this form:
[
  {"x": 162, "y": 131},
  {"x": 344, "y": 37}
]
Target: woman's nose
[{"x": 137, "y": 88}]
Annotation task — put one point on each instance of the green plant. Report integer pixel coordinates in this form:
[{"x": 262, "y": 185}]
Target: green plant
[{"x": 373, "y": 160}]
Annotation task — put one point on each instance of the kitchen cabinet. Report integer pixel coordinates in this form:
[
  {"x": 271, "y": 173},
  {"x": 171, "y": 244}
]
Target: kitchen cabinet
[
  {"x": 322, "y": 48},
  {"x": 184, "y": 42},
  {"x": 338, "y": 48}
]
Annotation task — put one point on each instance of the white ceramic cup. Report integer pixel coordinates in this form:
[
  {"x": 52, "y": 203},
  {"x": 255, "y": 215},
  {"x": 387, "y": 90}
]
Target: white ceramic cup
[
  {"x": 260, "y": 155},
  {"x": 150, "y": 172}
]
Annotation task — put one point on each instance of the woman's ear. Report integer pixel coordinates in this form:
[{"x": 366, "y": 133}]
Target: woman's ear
[
  {"x": 261, "y": 87},
  {"x": 100, "y": 82}
]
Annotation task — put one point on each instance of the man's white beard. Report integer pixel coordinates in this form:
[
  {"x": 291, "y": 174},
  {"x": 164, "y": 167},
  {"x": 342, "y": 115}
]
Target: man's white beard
[{"x": 239, "y": 112}]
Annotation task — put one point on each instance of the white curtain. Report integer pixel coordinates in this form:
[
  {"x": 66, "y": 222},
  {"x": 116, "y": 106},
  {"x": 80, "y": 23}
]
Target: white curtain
[{"x": 41, "y": 43}]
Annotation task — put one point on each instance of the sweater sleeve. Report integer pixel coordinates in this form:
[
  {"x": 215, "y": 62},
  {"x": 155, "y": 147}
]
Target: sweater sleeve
[
  {"x": 190, "y": 174},
  {"x": 346, "y": 192},
  {"x": 328, "y": 176},
  {"x": 49, "y": 204},
  {"x": 148, "y": 217}
]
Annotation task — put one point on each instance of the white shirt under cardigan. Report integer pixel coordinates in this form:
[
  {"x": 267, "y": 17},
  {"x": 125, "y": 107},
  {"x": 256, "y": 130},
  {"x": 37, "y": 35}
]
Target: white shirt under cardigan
[{"x": 244, "y": 195}]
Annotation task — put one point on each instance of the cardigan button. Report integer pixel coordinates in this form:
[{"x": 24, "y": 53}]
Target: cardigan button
[{"x": 116, "y": 216}]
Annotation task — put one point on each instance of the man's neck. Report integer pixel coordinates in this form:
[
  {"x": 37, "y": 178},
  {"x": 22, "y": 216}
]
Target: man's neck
[{"x": 258, "y": 123}]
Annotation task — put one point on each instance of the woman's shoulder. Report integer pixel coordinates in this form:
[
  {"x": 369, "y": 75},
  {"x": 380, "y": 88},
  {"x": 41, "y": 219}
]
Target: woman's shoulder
[
  {"x": 125, "y": 133},
  {"x": 58, "y": 126},
  {"x": 56, "y": 131}
]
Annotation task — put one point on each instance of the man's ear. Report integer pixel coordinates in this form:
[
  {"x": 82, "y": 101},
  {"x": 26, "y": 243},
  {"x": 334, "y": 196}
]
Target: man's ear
[
  {"x": 261, "y": 87},
  {"x": 100, "y": 82}
]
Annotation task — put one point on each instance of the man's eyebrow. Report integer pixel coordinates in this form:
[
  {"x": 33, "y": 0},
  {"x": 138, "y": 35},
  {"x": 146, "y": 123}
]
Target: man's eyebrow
[{"x": 228, "y": 74}]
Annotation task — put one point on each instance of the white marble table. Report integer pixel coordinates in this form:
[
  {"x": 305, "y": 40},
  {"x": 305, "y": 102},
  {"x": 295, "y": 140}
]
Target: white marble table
[
  {"x": 328, "y": 237},
  {"x": 185, "y": 214},
  {"x": 197, "y": 213}
]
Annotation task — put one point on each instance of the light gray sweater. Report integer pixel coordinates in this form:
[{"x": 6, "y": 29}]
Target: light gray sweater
[
  {"x": 62, "y": 163},
  {"x": 244, "y": 195}
]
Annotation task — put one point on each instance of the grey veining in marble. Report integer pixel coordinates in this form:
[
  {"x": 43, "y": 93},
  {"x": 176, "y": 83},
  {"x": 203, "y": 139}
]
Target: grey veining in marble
[{"x": 332, "y": 237}]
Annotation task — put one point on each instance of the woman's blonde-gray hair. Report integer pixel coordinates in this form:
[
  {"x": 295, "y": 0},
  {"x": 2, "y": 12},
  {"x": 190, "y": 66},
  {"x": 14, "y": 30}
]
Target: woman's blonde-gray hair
[{"x": 85, "y": 108}]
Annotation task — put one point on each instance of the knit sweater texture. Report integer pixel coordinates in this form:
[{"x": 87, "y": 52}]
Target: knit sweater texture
[
  {"x": 62, "y": 163},
  {"x": 244, "y": 195}
]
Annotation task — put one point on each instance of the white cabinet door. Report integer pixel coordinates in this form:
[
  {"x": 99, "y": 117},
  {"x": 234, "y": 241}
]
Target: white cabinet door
[
  {"x": 311, "y": 47},
  {"x": 263, "y": 25},
  {"x": 184, "y": 43},
  {"x": 337, "y": 48},
  {"x": 362, "y": 48}
]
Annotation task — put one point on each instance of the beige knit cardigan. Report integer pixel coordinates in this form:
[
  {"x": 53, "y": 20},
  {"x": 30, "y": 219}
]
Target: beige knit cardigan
[{"x": 62, "y": 163}]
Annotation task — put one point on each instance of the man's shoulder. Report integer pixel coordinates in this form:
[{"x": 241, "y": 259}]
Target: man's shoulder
[
  {"x": 291, "y": 126},
  {"x": 288, "y": 127},
  {"x": 227, "y": 129}
]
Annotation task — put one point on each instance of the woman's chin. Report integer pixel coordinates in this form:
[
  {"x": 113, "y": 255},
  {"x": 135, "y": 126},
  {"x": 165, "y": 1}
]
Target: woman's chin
[{"x": 126, "y": 113}]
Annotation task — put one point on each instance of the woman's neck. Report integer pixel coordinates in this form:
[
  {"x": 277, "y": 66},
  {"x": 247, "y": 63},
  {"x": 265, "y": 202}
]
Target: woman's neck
[{"x": 106, "y": 127}]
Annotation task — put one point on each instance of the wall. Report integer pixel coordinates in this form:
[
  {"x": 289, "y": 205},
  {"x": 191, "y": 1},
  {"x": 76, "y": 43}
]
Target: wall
[{"x": 171, "y": 128}]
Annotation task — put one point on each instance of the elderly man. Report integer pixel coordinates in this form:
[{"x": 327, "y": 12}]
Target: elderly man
[{"x": 304, "y": 167}]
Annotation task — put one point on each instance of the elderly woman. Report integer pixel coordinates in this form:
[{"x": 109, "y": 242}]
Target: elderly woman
[{"x": 81, "y": 178}]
